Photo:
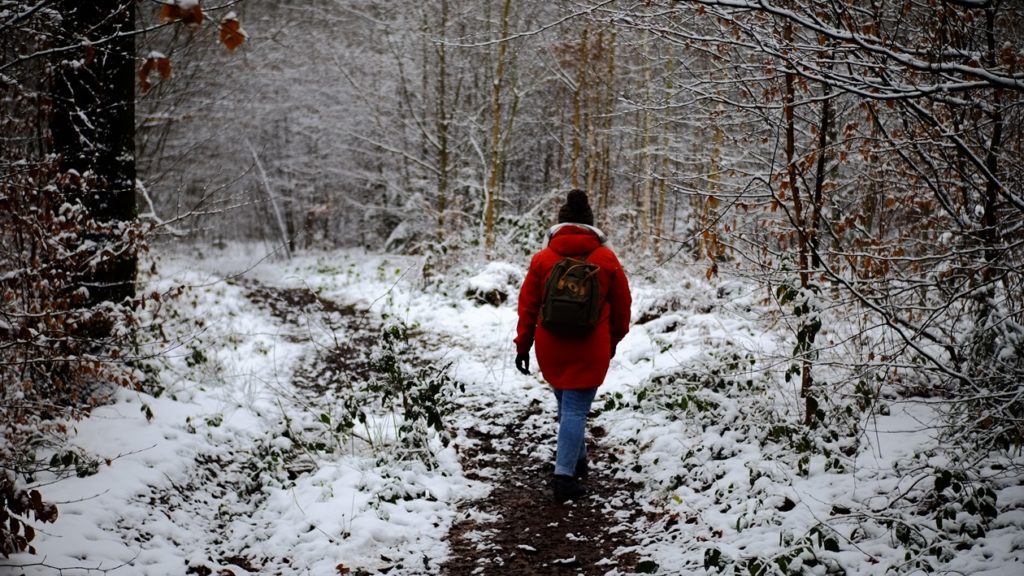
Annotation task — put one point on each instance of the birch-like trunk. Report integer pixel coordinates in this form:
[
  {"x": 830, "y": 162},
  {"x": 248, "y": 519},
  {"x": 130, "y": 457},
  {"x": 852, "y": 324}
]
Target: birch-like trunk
[{"x": 494, "y": 179}]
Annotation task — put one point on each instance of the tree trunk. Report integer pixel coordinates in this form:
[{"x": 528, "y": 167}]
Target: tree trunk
[
  {"x": 608, "y": 110},
  {"x": 93, "y": 132},
  {"x": 804, "y": 346},
  {"x": 443, "y": 153},
  {"x": 819, "y": 177},
  {"x": 989, "y": 218},
  {"x": 577, "y": 116},
  {"x": 493, "y": 179},
  {"x": 659, "y": 211},
  {"x": 646, "y": 159}
]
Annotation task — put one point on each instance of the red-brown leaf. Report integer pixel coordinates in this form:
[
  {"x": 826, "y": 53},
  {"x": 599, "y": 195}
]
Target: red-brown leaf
[
  {"x": 191, "y": 15},
  {"x": 163, "y": 67},
  {"x": 155, "y": 63},
  {"x": 170, "y": 13},
  {"x": 231, "y": 33}
]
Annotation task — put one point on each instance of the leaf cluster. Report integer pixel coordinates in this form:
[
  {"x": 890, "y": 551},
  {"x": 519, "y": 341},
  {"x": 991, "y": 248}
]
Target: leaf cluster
[{"x": 16, "y": 506}]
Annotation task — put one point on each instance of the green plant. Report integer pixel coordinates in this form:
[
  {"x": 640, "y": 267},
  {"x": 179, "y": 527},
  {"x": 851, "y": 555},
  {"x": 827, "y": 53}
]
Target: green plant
[
  {"x": 397, "y": 401},
  {"x": 521, "y": 233},
  {"x": 421, "y": 395}
]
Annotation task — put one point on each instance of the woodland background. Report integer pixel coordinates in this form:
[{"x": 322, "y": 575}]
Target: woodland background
[{"x": 858, "y": 160}]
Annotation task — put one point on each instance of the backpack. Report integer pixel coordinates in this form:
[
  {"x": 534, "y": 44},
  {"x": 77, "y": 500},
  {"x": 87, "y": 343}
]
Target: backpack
[{"x": 571, "y": 305}]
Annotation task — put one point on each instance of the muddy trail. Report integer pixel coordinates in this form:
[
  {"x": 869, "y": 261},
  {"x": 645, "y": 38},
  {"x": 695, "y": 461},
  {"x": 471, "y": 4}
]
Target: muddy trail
[
  {"x": 219, "y": 491},
  {"x": 353, "y": 333},
  {"x": 518, "y": 529}
]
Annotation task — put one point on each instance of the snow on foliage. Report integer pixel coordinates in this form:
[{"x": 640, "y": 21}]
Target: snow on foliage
[
  {"x": 242, "y": 466},
  {"x": 495, "y": 283}
]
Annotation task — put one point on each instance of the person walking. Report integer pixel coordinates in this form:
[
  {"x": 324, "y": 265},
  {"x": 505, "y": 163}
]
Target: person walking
[{"x": 573, "y": 361}]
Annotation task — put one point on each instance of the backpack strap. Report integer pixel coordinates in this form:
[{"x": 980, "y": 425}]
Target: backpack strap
[{"x": 585, "y": 263}]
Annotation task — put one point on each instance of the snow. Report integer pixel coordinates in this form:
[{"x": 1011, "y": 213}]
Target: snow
[
  {"x": 713, "y": 483},
  {"x": 501, "y": 276}
]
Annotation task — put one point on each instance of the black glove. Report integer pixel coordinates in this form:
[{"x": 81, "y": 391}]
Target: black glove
[{"x": 523, "y": 362}]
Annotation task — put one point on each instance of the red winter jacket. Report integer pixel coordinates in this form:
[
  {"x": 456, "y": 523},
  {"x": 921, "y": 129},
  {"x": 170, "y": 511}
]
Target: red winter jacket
[{"x": 581, "y": 362}]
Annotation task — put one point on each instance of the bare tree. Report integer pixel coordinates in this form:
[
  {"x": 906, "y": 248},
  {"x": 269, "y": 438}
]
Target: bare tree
[{"x": 916, "y": 221}]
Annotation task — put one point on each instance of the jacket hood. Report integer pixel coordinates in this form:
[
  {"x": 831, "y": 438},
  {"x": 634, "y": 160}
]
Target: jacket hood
[
  {"x": 572, "y": 239},
  {"x": 593, "y": 229}
]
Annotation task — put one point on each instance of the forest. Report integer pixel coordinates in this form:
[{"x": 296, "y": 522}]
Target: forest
[{"x": 260, "y": 263}]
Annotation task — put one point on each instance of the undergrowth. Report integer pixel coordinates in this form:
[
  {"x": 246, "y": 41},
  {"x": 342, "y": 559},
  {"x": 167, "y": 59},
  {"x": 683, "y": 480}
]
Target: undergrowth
[
  {"x": 745, "y": 456},
  {"x": 69, "y": 314},
  {"x": 394, "y": 405}
]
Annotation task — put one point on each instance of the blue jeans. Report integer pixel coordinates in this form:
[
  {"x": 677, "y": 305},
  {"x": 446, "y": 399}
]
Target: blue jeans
[{"x": 573, "y": 406}]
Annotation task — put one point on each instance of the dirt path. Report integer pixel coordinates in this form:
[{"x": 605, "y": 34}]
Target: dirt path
[
  {"x": 519, "y": 529},
  {"x": 221, "y": 490}
]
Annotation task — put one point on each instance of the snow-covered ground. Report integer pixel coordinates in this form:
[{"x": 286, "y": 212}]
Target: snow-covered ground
[{"x": 217, "y": 470}]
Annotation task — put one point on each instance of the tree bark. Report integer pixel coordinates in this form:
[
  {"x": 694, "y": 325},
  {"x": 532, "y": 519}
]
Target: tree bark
[
  {"x": 608, "y": 110},
  {"x": 788, "y": 104},
  {"x": 93, "y": 134},
  {"x": 443, "y": 153},
  {"x": 819, "y": 177},
  {"x": 646, "y": 159},
  {"x": 577, "y": 104},
  {"x": 494, "y": 178},
  {"x": 989, "y": 218}
]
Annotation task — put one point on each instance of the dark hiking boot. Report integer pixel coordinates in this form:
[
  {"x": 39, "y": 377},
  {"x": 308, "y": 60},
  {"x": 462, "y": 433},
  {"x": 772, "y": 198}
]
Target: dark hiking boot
[
  {"x": 582, "y": 469},
  {"x": 581, "y": 472},
  {"x": 567, "y": 488}
]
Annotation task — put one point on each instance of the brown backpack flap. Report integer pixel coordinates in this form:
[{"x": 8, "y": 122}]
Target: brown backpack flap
[{"x": 571, "y": 305}]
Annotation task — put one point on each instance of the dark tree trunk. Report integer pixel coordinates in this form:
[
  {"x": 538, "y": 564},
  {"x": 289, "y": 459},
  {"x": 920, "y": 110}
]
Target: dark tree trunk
[
  {"x": 824, "y": 128},
  {"x": 93, "y": 134}
]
